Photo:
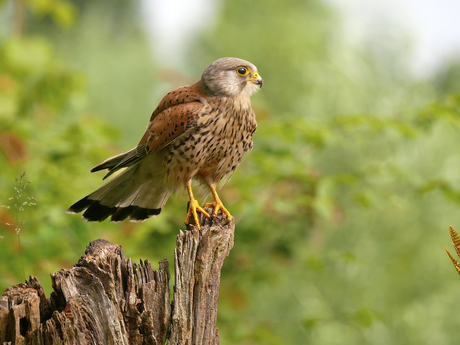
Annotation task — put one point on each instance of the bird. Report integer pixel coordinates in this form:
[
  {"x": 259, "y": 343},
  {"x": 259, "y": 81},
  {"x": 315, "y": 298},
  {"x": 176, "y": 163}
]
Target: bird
[{"x": 198, "y": 132}]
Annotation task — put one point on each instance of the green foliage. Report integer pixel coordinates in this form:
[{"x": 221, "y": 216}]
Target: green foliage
[
  {"x": 341, "y": 208},
  {"x": 61, "y": 11},
  {"x": 49, "y": 129},
  {"x": 42, "y": 126},
  {"x": 348, "y": 155}
]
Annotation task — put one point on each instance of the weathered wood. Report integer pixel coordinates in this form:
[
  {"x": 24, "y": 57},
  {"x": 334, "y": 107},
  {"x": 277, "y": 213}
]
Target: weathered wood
[
  {"x": 198, "y": 260},
  {"x": 106, "y": 299}
]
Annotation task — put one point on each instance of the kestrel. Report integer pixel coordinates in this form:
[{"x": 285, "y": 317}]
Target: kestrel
[{"x": 197, "y": 132}]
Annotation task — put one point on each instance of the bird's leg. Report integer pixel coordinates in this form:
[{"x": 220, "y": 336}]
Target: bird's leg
[
  {"x": 217, "y": 205},
  {"x": 193, "y": 208}
]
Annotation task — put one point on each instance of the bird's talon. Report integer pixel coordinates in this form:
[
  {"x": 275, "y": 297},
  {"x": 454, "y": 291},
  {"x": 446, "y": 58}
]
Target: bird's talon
[
  {"x": 216, "y": 207},
  {"x": 193, "y": 209}
]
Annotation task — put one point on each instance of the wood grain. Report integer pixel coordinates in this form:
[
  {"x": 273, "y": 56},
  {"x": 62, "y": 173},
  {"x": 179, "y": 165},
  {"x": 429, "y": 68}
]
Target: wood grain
[{"x": 107, "y": 299}]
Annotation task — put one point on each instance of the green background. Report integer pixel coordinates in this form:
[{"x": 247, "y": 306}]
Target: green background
[{"x": 342, "y": 208}]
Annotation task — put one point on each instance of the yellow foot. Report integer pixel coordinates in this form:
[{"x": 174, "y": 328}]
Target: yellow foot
[
  {"x": 193, "y": 208},
  {"x": 217, "y": 205}
]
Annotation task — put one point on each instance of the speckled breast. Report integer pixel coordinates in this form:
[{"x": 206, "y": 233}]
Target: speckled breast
[{"x": 214, "y": 145}]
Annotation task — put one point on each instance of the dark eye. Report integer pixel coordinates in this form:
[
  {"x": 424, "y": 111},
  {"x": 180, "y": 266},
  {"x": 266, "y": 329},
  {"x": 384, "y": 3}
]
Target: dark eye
[{"x": 242, "y": 71}]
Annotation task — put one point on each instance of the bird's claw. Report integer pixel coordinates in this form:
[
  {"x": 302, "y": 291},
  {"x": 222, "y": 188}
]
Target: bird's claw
[
  {"x": 193, "y": 208},
  {"x": 217, "y": 205}
]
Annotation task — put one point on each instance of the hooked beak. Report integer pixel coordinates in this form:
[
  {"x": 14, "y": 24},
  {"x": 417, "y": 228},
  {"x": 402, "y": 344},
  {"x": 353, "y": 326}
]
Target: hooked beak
[{"x": 256, "y": 79}]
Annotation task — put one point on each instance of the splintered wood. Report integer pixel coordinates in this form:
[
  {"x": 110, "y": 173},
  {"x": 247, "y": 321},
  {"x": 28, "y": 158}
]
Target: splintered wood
[{"x": 107, "y": 299}]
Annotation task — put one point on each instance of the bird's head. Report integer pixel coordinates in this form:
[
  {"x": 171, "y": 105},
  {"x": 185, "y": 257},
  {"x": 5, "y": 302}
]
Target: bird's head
[{"x": 231, "y": 77}]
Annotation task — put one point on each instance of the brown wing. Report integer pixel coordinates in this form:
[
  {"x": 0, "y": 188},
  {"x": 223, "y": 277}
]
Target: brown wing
[
  {"x": 169, "y": 120},
  {"x": 168, "y": 125},
  {"x": 184, "y": 94}
]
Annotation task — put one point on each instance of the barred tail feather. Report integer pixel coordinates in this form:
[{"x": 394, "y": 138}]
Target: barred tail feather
[{"x": 126, "y": 195}]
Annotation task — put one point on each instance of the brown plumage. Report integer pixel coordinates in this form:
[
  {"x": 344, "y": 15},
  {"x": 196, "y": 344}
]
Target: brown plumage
[{"x": 199, "y": 131}]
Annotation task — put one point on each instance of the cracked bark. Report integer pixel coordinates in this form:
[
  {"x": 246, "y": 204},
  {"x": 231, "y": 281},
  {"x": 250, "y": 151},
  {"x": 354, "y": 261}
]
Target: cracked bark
[{"x": 107, "y": 299}]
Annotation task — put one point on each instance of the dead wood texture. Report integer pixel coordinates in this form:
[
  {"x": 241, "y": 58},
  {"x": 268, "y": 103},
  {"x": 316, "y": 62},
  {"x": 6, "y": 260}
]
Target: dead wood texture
[{"x": 107, "y": 299}]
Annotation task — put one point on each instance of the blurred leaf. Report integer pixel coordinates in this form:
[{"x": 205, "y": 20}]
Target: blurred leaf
[
  {"x": 366, "y": 317},
  {"x": 448, "y": 111},
  {"x": 9, "y": 98},
  {"x": 348, "y": 256},
  {"x": 447, "y": 190},
  {"x": 63, "y": 12},
  {"x": 12, "y": 147},
  {"x": 451, "y": 194},
  {"x": 31, "y": 55},
  {"x": 7, "y": 220},
  {"x": 405, "y": 129},
  {"x": 315, "y": 263},
  {"x": 324, "y": 201},
  {"x": 314, "y": 134},
  {"x": 55, "y": 88},
  {"x": 264, "y": 335},
  {"x": 8, "y": 108},
  {"x": 363, "y": 317},
  {"x": 430, "y": 186},
  {"x": 310, "y": 322},
  {"x": 348, "y": 179},
  {"x": 362, "y": 199},
  {"x": 354, "y": 121}
]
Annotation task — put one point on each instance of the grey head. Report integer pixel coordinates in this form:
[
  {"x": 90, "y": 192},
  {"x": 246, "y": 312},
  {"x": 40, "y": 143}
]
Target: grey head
[{"x": 231, "y": 77}]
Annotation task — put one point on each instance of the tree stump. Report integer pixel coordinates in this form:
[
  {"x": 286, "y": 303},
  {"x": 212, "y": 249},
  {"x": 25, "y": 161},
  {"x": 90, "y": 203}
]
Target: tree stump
[{"x": 107, "y": 299}]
